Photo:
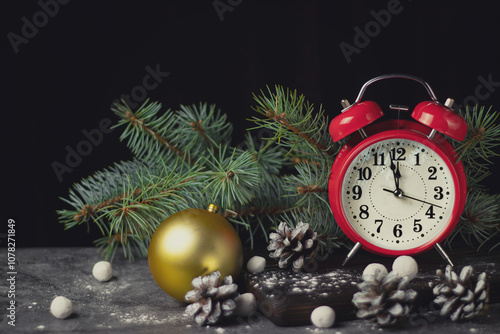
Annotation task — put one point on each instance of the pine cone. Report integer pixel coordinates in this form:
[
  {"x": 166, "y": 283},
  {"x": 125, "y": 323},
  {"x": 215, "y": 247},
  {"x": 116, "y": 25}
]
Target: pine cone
[
  {"x": 384, "y": 298},
  {"x": 293, "y": 246},
  {"x": 461, "y": 297},
  {"x": 211, "y": 299}
]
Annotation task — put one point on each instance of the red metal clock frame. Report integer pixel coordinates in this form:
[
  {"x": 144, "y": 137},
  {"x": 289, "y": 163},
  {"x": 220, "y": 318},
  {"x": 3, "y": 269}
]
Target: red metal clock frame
[{"x": 396, "y": 129}]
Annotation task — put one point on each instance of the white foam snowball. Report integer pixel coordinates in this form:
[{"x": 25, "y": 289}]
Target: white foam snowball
[
  {"x": 256, "y": 264},
  {"x": 246, "y": 304},
  {"x": 405, "y": 266},
  {"x": 323, "y": 317},
  {"x": 102, "y": 271},
  {"x": 61, "y": 307},
  {"x": 376, "y": 270}
]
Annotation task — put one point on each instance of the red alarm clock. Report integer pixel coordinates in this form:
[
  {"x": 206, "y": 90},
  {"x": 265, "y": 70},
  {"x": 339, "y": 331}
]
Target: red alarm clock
[{"x": 397, "y": 187}]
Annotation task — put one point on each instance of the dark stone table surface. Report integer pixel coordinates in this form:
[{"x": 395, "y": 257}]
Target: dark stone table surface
[{"x": 131, "y": 302}]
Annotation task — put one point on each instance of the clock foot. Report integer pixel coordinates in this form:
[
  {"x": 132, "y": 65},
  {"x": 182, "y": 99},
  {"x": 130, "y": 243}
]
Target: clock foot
[
  {"x": 443, "y": 254},
  {"x": 351, "y": 254}
]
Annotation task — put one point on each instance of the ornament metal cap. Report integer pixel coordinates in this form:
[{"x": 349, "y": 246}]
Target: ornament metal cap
[{"x": 212, "y": 208}]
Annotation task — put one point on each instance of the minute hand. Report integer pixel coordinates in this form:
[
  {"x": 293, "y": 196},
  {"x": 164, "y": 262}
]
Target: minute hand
[{"x": 413, "y": 198}]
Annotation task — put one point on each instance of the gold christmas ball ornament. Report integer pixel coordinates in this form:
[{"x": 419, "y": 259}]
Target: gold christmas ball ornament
[{"x": 192, "y": 243}]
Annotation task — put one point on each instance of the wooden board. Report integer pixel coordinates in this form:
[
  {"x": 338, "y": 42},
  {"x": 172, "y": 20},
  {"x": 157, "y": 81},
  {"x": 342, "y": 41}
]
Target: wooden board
[{"x": 288, "y": 298}]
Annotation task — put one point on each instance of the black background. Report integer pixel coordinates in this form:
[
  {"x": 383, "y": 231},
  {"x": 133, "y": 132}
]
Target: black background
[{"x": 64, "y": 79}]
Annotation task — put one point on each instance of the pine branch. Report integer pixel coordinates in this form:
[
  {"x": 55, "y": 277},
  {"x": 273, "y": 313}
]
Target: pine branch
[
  {"x": 281, "y": 118},
  {"x": 232, "y": 179},
  {"x": 263, "y": 210},
  {"x": 297, "y": 160},
  {"x": 310, "y": 184},
  {"x": 131, "y": 244},
  {"x": 480, "y": 220},
  {"x": 130, "y": 200},
  {"x": 96, "y": 192},
  {"x": 294, "y": 121},
  {"x": 149, "y": 135},
  {"x": 202, "y": 127},
  {"x": 476, "y": 177},
  {"x": 483, "y": 137},
  {"x": 186, "y": 133},
  {"x": 269, "y": 159}
]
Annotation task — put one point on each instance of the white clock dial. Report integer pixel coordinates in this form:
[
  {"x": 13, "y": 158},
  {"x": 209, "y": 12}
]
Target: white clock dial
[{"x": 398, "y": 194}]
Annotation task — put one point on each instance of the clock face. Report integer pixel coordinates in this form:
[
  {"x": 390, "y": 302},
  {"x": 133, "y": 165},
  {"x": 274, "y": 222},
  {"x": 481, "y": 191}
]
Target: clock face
[{"x": 399, "y": 194}]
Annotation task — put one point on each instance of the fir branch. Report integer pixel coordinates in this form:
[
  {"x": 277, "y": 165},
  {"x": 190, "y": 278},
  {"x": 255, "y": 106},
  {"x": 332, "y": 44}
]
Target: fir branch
[
  {"x": 209, "y": 125},
  {"x": 232, "y": 179},
  {"x": 261, "y": 212},
  {"x": 100, "y": 190},
  {"x": 149, "y": 135},
  {"x": 139, "y": 201},
  {"x": 270, "y": 202},
  {"x": 480, "y": 220},
  {"x": 298, "y": 160},
  {"x": 476, "y": 177},
  {"x": 293, "y": 120},
  {"x": 197, "y": 127},
  {"x": 483, "y": 136},
  {"x": 310, "y": 184},
  {"x": 281, "y": 118},
  {"x": 131, "y": 244},
  {"x": 269, "y": 159},
  {"x": 311, "y": 189}
]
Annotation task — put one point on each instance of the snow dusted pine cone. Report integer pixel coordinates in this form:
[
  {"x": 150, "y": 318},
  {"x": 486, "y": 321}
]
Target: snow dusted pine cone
[
  {"x": 293, "y": 246},
  {"x": 461, "y": 297},
  {"x": 384, "y": 298},
  {"x": 211, "y": 298}
]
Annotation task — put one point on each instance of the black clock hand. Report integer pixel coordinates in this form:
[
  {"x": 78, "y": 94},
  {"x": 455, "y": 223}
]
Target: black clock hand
[
  {"x": 399, "y": 193},
  {"x": 397, "y": 175},
  {"x": 395, "y": 172}
]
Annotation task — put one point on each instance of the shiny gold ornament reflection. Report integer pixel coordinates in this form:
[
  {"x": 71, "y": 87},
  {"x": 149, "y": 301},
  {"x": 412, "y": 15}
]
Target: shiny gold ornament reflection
[{"x": 192, "y": 243}]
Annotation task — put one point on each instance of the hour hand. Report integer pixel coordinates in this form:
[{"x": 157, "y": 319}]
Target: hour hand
[
  {"x": 395, "y": 173},
  {"x": 399, "y": 193}
]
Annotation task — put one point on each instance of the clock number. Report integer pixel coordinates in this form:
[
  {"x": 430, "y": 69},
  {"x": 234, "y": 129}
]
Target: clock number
[
  {"x": 365, "y": 173},
  {"x": 380, "y": 226},
  {"x": 417, "y": 159},
  {"x": 400, "y": 151},
  {"x": 433, "y": 171},
  {"x": 416, "y": 226},
  {"x": 357, "y": 192},
  {"x": 397, "y": 230},
  {"x": 379, "y": 158},
  {"x": 430, "y": 212},
  {"x": 363, "y": 214},
  {"x": 439, "y": 193}
]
